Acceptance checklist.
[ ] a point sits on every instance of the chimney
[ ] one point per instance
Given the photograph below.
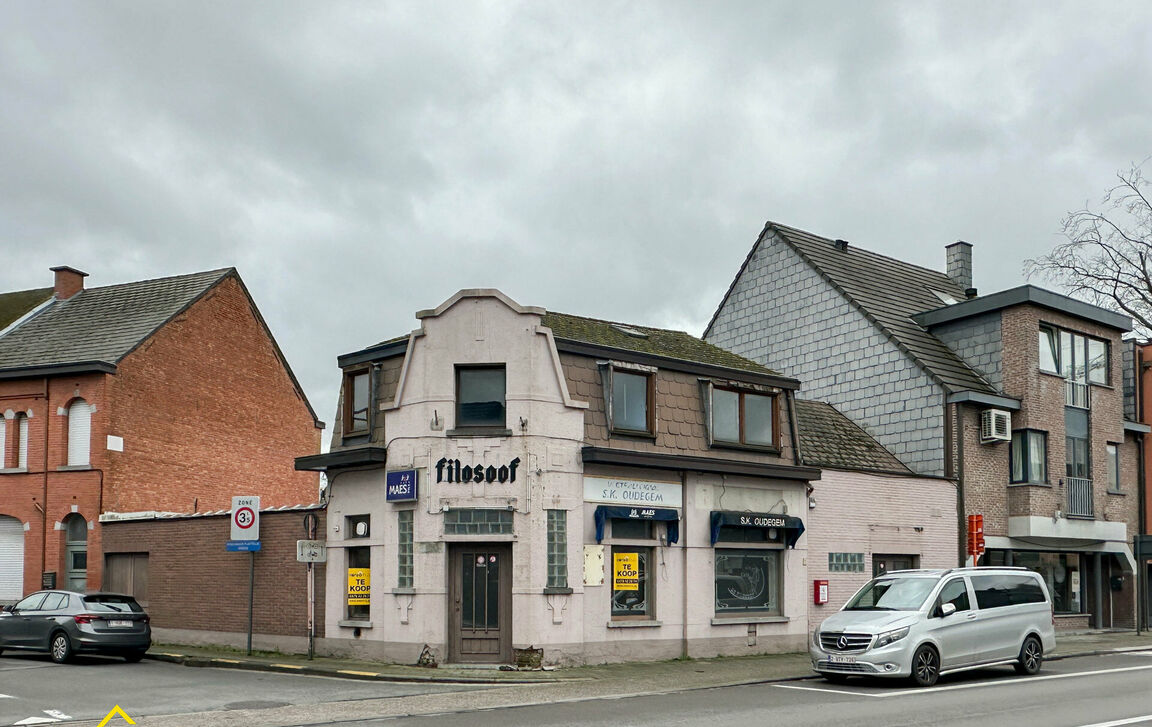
(841, 245)
(69, 281)
(960, 263)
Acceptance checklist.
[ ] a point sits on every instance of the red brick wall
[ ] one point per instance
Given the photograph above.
(193, 583)
(46, 493)
(207, 411)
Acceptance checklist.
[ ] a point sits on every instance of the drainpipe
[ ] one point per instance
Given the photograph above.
(44, 488)
(797, 455)
(953, 411)
(684, 541)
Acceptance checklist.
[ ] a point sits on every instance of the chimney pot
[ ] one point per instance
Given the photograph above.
(69, 281)
(970, 293)
(959, 258)
(841, 245)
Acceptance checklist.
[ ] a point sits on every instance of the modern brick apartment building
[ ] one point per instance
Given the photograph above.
(157, 395)
(1017, 396)
(508, 479)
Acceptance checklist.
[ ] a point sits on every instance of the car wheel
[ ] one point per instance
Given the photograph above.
(925, 666)
(1031, 656)
(134, 656)
(60, 647)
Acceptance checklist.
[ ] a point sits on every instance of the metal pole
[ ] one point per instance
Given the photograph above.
(251, 591)
(311, 608)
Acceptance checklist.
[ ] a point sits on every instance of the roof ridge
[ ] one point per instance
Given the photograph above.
(163, 278)
(624, 323)
(864, 250)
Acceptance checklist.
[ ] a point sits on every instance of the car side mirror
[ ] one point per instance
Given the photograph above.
(947, 609)
(9, 608)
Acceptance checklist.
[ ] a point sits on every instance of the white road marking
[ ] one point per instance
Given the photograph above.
(1119, 722)
(1137, 653)
(36, 720)
(973, 685)
(6, 696)
(56, 713)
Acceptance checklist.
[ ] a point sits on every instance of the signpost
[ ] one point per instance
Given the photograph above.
(246, 539)
(311, 551)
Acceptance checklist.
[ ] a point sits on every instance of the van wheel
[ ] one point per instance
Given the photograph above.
(925, 666)
(1031, 656)
(60, 647)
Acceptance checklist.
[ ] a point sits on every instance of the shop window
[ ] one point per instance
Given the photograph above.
(1079, 358)
(356, 403)
(1060, 571)
(630, 395)
(359, 589)
(480, 396)
(747, 581)
(358, 526)
(631, 586)
(1113, 468)
(557, 549)
(477, 521)
(404, 549)
(1029, 456)
(1077, 460)
(845, 562)
(743, 418)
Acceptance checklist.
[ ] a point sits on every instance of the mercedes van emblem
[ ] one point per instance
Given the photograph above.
(842, 644)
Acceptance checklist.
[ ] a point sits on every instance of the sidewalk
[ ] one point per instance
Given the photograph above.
(676, 675)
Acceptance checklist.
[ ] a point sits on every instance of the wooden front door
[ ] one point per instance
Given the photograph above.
(480, 603)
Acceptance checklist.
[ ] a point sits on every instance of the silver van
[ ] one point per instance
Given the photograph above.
(924, 623)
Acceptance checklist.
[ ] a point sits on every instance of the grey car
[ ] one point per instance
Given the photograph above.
(64, 623)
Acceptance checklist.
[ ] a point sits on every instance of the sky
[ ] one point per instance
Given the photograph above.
(357, 162)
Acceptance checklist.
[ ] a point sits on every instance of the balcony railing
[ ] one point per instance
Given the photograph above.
(1076, 394)
(1079, 497)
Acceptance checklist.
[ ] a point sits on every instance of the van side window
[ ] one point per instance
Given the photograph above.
(956, 593)
(997, 591)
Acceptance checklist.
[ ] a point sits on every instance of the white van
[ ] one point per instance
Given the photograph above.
(924, 623)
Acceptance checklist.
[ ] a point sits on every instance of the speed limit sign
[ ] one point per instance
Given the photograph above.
(246, 518)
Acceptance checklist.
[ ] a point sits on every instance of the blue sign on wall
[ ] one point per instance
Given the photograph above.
(401, 486)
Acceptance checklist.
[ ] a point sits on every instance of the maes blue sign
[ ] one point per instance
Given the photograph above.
(401, 486)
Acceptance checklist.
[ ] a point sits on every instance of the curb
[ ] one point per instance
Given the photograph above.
(245, 665)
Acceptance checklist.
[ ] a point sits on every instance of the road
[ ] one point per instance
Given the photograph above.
(1102, 691)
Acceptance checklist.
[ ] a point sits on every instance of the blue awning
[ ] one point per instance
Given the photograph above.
(604, 513)
(791, 527)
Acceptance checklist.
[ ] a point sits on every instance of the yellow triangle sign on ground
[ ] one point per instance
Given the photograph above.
(116, 711)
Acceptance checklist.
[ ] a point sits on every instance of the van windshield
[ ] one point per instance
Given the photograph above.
(892, 594)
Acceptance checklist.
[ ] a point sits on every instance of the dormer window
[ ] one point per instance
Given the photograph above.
(630, 398)
(356, 403)
(742, 418)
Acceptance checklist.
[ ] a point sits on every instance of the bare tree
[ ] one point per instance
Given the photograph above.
(1107, 255)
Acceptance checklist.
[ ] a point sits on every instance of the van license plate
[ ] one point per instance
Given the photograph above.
(835, 659)
(120, 624)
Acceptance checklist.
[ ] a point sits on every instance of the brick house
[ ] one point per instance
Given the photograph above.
(508, 479)
(1017, 396)
(869, 514)
(157, 395)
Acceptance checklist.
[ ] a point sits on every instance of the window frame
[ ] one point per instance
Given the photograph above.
(349, 414)
(1028, 476)
(1087, 439)
(350, 523)
(1078, 342)
(742, 394)
(405, 548)
(556, 528)
(359, 611)
(647, 582)
(777, 582)
(648, 373)
(1113, 460)
(23, 434)
(460, 426)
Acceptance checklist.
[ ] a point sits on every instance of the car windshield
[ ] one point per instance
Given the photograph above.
(892, 594)
(121, 604)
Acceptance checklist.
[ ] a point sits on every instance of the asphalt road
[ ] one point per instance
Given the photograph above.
(32, 687)
(1104, 691)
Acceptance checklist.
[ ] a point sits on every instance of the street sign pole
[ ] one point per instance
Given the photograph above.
(311, 608)
(251, 593)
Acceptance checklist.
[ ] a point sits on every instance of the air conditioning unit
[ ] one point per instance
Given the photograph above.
(995, 426)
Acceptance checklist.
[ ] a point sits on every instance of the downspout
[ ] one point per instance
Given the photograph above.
(44, 488)
(797, 457)
(684, 540)
(952, 412)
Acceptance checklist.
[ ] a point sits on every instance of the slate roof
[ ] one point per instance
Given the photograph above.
(14, 305)
(830, 439)
(102, 324)
(654, 341)
(889, 292)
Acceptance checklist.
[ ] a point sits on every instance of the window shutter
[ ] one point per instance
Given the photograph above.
(79, 433)
(11, 559)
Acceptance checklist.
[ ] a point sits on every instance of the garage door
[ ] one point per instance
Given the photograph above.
(11, 559)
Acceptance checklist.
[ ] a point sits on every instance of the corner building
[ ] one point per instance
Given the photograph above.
(509, 484)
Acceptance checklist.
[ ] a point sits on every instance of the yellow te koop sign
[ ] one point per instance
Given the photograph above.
(625, 571)
(359, 587)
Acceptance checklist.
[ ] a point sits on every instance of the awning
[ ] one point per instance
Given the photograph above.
(605, 513)
(791, 527)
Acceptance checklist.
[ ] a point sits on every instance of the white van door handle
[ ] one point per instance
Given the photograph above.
(971, 617)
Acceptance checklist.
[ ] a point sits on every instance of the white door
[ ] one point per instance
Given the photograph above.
(11, 559)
